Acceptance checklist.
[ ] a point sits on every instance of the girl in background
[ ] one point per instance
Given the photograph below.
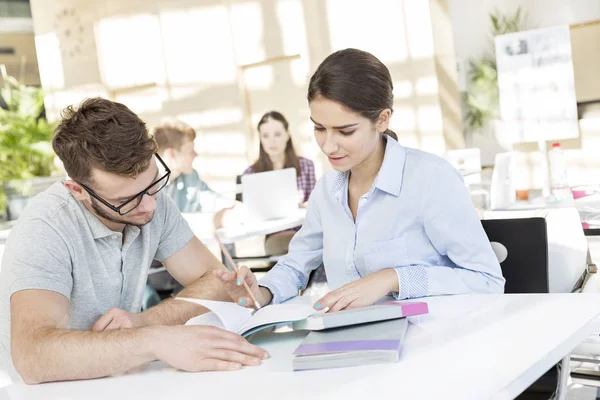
(277, 152)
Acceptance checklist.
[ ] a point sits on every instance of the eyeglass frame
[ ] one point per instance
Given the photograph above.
(142, 193)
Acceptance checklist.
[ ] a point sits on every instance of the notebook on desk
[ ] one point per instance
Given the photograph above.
(373, 343)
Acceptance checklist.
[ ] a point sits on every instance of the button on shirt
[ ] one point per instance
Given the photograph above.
(417, 218)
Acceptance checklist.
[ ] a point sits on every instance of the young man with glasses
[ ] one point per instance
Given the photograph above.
(75, 265)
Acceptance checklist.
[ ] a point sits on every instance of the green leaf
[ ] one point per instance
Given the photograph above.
(25, 137)
(480, 103)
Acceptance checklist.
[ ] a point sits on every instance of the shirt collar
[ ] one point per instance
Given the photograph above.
(98, 229)
(389, 177)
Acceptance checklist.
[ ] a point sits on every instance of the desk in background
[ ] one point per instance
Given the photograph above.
(202, 226)
(470, 347)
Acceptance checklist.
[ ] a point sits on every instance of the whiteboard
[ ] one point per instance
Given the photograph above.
(536, 85)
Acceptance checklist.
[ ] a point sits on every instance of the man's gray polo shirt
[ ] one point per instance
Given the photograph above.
(58, 245)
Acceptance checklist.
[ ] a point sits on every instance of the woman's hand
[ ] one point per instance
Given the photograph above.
(360, 293)
(234, 286)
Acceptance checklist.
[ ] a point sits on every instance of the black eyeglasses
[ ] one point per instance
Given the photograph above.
(130, 204)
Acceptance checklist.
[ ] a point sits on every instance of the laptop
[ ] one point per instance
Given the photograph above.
(271, 195)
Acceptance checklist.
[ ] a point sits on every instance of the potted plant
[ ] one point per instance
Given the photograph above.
(480, 101)
(26, 154)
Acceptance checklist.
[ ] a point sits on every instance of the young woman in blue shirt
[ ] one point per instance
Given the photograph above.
(388, 219)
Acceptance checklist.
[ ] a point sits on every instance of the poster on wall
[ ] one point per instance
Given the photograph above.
(536, 85)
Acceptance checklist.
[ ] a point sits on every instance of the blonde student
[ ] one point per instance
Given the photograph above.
(388, 219)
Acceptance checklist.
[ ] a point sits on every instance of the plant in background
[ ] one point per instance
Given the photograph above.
(25, 138)
(480, 101)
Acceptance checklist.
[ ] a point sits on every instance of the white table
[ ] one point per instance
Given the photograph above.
(202, 226)
(469, 347)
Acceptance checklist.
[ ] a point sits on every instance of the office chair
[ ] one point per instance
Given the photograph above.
(238, 185)
(521, 246)
(525, 248)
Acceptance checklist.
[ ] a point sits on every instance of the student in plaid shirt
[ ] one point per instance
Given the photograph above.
(277, 152)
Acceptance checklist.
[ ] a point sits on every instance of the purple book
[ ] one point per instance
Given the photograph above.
(372, 343)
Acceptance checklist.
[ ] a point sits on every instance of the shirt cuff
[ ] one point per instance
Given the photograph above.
(283, 282)
(412, 282)
(276, 297)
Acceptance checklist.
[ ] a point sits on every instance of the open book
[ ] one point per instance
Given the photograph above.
(241, 320)
(245, 321)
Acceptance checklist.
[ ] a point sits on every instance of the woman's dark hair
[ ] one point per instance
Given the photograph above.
(356, 79)
(264, 162)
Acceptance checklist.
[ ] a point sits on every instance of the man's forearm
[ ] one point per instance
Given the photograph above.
(177, 312)
(52, 354)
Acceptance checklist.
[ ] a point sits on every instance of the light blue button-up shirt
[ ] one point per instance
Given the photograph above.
(417, 218)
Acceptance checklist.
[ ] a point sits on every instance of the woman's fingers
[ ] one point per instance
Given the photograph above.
(241, 275)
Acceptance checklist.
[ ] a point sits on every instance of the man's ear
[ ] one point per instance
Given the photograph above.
(170, 152)
(76, 190)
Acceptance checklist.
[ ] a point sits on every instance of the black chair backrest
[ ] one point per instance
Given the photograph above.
(526, 241)
(238, 182)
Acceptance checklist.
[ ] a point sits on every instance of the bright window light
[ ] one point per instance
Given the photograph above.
(259, 77)
(429, 119)
(50, 61)
(247, 27)
(403, 89)
(376, 26)
(129, 50)
(418, 24)
(210, 60)
(212, 118)
(427, 85)
(403, 119)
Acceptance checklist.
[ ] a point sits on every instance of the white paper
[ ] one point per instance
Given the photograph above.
(238, 319)
(278, 313)
(232, 316)
(208, 319)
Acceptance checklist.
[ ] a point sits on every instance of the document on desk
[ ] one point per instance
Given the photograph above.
(238, 319)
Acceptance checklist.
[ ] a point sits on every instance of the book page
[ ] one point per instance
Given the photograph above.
(207, 319)
(276, 314)
(232, 316)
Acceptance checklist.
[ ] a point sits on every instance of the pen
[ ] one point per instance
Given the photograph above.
(235, 268)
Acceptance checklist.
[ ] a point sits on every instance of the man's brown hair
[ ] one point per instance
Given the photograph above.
(105, 135)
(173, 134)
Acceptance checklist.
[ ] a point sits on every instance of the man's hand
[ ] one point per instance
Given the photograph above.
(116, 318)
(204, 348)
(360, 293)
